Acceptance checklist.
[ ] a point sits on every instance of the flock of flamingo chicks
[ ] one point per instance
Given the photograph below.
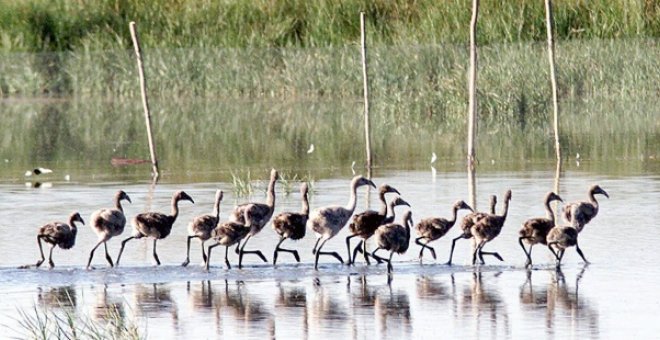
(246, 220)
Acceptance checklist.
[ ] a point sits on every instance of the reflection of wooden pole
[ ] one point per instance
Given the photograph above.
(556, 189)
(472, 106)
(145, 101)
(553, 76)
(363, 39)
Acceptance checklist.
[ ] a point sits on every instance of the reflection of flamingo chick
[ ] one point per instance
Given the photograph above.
(469, 221)
(326, 222)
(431, 229)
(536, 230)
(365, 223)
(155, 225)
(560, 238)
(579, 214)
(261, 215)
(393, 237)
(202, 226)
(229, 233)
(487, 229)
(292, 225)
(108, 223)
(58, 234)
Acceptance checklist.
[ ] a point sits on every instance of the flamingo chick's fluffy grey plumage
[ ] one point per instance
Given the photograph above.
(468, 222)
(393, 237)
(431, 229)
(260, 214)
(291, 225)
(578, 214)
(488, 228)
(560, 238)
(326, 222)
(155, 225)
(535, 230)
(202, 226)
(229, 233)
(58, 234)
(108, 223)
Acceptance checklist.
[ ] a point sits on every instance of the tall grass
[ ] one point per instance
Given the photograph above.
(59, 25)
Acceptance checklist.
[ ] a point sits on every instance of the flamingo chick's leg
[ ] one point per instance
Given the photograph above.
(451, 252)
(527, 253)
(579, 251)
(91, 253)
(348, 247)
(373, 254)
(50, 257)
(208, 257)
(319, 253)
(107, 255)
(187, 261)
(292, 251)
(156, 254)
(121, 250)
(243, 252)
(41, 250)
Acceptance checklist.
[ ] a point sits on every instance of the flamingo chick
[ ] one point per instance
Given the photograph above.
(108, 223)
(326, 222)
(486, 229)
(202, 226)
(580, 213)
(431, 229)
(58, 234)
(560, 238)
(535, 230)
(469, 221)
(393, 237)
(291, 225)
(155, 225)
(261, 214)
(229, 233)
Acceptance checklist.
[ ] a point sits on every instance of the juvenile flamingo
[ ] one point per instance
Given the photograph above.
(58, 234)
(431, 229)
(108, 223)
(580, 213)
(535, 230)
(229, 233)
(486, 229)
(261, 214)
(291, 225)
(393, 237)
(469, 221)
(560, 238)
(326, 222)
(202, 226)
(155, 225)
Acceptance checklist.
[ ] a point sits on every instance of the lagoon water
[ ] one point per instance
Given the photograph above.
(614, 297)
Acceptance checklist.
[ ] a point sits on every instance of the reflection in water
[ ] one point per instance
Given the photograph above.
(57, 297)
(247, 308)
(110, 309)
(155, 301)
(291, 306)
(393, 314)
(559, 304)
(484, 303)
(326, 313)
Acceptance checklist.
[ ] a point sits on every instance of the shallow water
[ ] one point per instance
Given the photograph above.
(615, 296)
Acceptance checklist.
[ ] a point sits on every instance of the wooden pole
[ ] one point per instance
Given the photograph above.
(472, 106)
(145, 101)
(367, 137)
(553, 77)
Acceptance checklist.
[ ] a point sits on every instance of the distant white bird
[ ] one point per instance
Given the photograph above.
(67, 177)
(38, 171)
(311, 148)
(353, 167)
(434, 158)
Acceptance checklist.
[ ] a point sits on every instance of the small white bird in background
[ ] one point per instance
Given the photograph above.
(434, 158)
(577, 159)
(353, 167)
(67, 177)
(311, 148)
(38, 171)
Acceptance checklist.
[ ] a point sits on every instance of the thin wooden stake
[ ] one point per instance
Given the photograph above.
(367, 137)
(553, 77)
(145, 101)
(472, 106)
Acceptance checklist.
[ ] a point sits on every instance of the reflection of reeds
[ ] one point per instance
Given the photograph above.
(45, 323)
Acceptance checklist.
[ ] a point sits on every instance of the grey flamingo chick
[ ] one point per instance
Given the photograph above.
(108, 223)
(393, 237)
(561, 238)
(326, 222)
(58, 234)
(431, 229)
(488, 228)
(291, 225)
(535, 230)
(261, 214)
(579, 214)
(391, 215)
(468, 222)
(155, 225)
(202, 226)
(365, 223)
(229, 233)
